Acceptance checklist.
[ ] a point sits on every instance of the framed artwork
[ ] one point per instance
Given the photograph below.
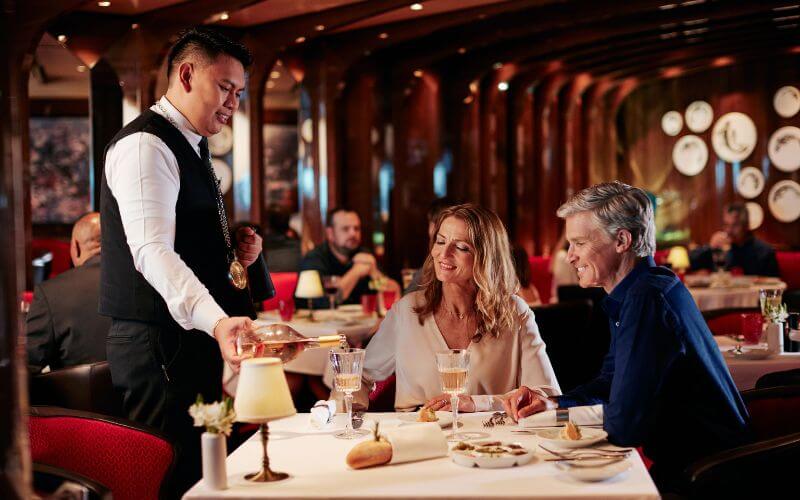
(280, 165)
(60, 157)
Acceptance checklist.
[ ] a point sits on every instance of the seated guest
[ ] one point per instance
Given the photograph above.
(63, 326)
(738, 244)
(343, 256)
(663, 384)
(563, 273)
(434, 210)
(522, 265)
(282, 251)
(467, 300)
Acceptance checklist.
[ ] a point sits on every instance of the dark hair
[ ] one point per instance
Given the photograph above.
(522, 265)
(333, 211)
(438, 206)
(277, 219)
(738, 208)
(209, 43)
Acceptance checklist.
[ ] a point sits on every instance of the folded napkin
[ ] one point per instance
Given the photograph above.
(580, 415)
(416, 442)
(322, 413)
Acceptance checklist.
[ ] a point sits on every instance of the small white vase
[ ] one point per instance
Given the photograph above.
(215, 476)
(775, 337)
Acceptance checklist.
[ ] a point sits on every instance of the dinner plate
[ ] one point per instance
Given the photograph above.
(784, 149)
(472, 458)
(787, 101)
(589, 437)
(734, 137)
(750, 182)
(350, 308)
(690, 155)
(752, 352)
(445, 418)
(699, 116)
(595, 474)
(784, 201)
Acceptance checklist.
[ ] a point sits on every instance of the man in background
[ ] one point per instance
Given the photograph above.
(63, 326)
(282, 251)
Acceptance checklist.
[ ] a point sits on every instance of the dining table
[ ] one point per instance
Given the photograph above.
(746, 372)
(315, 461)
(711, 292)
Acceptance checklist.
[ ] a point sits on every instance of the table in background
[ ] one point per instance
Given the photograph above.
(710, 298)
(745, 372)
(317, 464)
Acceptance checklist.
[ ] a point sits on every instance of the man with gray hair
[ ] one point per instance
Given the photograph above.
(663, 384)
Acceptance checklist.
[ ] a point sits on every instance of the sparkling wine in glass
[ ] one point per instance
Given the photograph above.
(453, 366)
(347, 365)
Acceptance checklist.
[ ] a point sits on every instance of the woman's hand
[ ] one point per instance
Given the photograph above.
(442, 403)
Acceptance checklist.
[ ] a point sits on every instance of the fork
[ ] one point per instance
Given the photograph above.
(583, 454)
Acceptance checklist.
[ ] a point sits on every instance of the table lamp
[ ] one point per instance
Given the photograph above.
(678, 258)
(262, 396)
(309, 286)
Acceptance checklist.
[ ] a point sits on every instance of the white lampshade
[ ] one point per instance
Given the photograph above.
(309, 285)
(262, 394)
(678, 258)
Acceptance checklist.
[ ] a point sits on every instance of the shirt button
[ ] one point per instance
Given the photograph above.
(617, 323)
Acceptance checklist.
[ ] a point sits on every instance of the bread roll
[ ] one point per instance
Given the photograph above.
(370, 453)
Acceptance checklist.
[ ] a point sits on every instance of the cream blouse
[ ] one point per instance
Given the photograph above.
(497, 364)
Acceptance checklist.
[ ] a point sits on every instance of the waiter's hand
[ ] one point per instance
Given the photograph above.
(225, 333)
(248, 245)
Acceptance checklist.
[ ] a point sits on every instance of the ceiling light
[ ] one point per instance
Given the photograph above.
(418, 73)
(786, 18)
(667, 6)
(416, 6)
(722, 61)
(224, 16)
(104, 4)
(667, 36)
(785, 7)
(300, 39)
(502, 86)
(62, 38)
(320, 27)
(135, 26)
(497, 65)
(383, 36)
(468, 99)
(81, 68)
(462, 50)
(275, 74)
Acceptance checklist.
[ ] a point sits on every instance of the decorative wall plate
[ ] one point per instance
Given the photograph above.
(224, 174)
(221, 143)
(784, 201)
(787, 101)
(750, 182)
(784, 149)
(755, 214)
(307, 130)
(672, 123)
(699, 116)
(734, 137)
(690, 155)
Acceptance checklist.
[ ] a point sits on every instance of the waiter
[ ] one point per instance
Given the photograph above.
(176, 283)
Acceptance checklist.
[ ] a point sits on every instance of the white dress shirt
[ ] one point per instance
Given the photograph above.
(144, 177)
(497, 364)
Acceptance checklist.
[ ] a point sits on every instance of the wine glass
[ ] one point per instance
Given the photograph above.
(453, 366)
(347, 365)
(719, 256)
(331, 285)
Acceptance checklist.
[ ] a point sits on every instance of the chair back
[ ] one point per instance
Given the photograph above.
(541, 277)
(789, 266)
(285, 284)
(132, 460)
(60, 249)
(776, 379)
(774, 411)
(53, 482)
(730, 321)
(382, 396)
(85, 387)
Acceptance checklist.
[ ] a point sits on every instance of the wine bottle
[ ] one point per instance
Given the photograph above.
(283, 342)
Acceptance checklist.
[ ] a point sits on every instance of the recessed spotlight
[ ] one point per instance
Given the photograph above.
(502, 86)
(468, 99)
(416, 6)
(135, 26)
(275, 74)
(497, 65)
(300, 39)
(104, 4)
(462, 50)
(320, 27)
(81, 68)
(383, 36)
(224, 16)
(62, 38)
(418, 73)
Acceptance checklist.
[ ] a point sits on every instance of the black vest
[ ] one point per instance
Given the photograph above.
(124, 292)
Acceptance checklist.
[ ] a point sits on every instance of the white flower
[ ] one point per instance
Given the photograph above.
(215, 417)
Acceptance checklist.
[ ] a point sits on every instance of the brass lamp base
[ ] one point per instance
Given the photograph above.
(265, 475)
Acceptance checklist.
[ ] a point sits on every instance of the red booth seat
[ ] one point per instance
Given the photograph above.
(285, 284)
(789, 265)
(541, 276)
(60, 250)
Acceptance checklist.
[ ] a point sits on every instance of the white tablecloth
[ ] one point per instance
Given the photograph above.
(746, 372)
(708, 299)
(316, 463)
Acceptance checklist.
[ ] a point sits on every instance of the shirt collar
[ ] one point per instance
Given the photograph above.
(613, 303)
(181, 121)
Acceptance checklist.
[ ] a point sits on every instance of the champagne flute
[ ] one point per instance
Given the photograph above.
(347, 365)
(453, 366)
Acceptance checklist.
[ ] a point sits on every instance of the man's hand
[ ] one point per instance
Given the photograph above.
(226, 332)
(523, 402)
(366, 259)
(442, 402)
(248, 246)
(720, 239)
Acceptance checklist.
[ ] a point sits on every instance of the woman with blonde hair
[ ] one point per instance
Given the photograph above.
(467, 300)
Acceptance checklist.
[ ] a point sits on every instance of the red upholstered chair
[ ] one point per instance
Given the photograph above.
(60, 250)
(132, 460)
(382, 397)
(729, 321)
(285, 284)
(789, 265)
(661, 256)
(541, 276)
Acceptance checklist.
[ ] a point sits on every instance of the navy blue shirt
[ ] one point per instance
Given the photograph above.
(322, 259)
(663, 384)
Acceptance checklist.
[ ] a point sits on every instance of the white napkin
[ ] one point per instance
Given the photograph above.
(322, 413)
(416, 442)
(580, 415)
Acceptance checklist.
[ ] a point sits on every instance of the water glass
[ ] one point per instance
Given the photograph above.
(347, 366)
(286, 309)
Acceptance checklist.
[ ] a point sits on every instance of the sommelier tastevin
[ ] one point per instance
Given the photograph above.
(178, 285)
